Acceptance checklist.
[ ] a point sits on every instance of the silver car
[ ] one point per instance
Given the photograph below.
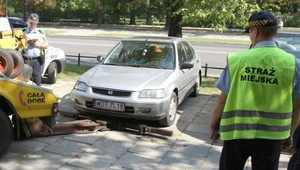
(142, 78)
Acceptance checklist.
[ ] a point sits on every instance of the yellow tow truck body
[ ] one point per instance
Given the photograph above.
(22, 104)
(28, 100)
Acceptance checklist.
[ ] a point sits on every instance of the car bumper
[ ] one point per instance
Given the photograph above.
(135, 107)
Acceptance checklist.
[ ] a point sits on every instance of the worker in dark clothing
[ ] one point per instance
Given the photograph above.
(294, 163)
(259, 104)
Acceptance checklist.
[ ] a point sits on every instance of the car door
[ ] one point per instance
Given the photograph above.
(184, 73)
(191, 57)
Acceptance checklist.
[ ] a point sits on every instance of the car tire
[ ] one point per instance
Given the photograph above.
(6, 62)
(171, 113)
(52, 73)
(196, 90)
(18, 63)
(6, 134)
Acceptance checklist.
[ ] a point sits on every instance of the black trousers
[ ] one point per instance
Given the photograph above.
(264, 154)
(294, 163)
(37, 70)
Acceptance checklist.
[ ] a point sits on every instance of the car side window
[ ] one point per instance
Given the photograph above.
(181, 54)
(189, 52)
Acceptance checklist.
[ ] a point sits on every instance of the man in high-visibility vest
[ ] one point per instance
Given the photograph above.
(259, 105)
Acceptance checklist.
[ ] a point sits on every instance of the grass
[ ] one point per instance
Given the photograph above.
(73, 72)
(191, 39)
(208, 86)
(53, 32)
(117, 35)
(291, 29)
(217, 40)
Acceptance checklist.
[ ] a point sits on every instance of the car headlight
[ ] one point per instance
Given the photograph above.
(80, 86)
(159, 93)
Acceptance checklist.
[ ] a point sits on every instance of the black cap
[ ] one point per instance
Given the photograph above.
(261, 19)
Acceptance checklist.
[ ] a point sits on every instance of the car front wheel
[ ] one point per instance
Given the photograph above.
(196, 90)
(52, 73)
(171, 113)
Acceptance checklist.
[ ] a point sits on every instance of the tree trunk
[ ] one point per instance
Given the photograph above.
(132, 17)
(167, 23)
(100, 14)
(167, 5)
(100, 17)
(175, 28)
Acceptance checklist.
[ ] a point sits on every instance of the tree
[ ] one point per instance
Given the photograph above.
(175, 27)
(218, 14)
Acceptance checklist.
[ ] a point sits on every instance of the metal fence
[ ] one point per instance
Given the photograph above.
(206, 67)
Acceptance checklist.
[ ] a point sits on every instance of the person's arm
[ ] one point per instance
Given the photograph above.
(217, 113)
(222, 84)
(296, 115)
(287, 143)
(43, 43)
(296, 99)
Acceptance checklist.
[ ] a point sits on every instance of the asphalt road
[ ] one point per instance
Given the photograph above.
(214, 54)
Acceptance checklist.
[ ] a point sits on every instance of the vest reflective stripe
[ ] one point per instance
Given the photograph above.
(247, 113)
(255, 120)
(263, 127)
(240, 134)
(259, 102)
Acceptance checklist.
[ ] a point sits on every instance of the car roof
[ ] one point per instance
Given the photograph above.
(154, 39)
(16, 18)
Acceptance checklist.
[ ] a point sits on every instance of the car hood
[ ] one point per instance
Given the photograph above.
(125, 78)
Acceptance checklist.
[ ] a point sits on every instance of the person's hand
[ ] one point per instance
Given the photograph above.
(287, 143)
(31, 42)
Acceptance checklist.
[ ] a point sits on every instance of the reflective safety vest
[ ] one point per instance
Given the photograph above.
(259, 104)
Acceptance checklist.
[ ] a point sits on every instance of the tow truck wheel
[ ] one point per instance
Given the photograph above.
(18, 63)
(52, 73)
(6, 134)
(6, 62)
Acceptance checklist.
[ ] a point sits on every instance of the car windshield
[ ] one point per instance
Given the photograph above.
(142, 54)
(289, 43)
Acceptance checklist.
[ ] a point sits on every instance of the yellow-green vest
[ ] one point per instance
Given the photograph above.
(259, 103)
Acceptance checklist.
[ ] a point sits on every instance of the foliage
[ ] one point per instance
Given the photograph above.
(218, 14)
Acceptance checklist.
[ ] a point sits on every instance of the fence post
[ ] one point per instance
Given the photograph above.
(78, 59)
(205, 71)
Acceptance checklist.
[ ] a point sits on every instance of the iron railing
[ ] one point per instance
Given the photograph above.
(206, 67)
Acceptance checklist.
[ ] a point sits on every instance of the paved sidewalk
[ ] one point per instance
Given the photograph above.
(189, 148)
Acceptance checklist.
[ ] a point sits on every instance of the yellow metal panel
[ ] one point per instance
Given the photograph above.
(28, 100)
(8, 43)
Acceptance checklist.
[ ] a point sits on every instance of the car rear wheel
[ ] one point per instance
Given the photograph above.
(195, 93)
(6, 134)
(171, 113)
(52, 73)
(6, 62)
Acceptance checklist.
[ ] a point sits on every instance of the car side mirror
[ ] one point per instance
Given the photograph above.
(187, 65)
(100, 58)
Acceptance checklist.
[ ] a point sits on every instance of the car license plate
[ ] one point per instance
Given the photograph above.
(101, 104)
